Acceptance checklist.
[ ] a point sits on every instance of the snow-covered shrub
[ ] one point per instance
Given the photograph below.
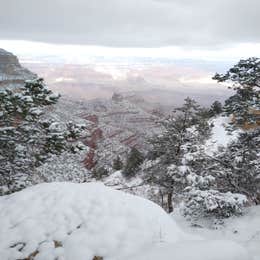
(215, 108)
(212, 203)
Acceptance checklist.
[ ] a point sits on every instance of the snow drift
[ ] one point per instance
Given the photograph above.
(79, 221)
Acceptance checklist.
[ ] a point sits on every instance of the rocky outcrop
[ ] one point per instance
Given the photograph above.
(89, 161)
(12, 74)
(96, 134)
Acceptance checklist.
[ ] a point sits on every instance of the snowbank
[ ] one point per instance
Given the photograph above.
(79, 221)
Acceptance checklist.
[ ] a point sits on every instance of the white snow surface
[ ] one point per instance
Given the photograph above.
(79, 221)
(243, 230)
(195, 250)
(87, 219)
(220, 136)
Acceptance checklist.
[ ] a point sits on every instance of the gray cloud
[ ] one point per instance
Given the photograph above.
(135, 23)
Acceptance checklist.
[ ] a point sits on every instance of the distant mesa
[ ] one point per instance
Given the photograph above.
(12, 74)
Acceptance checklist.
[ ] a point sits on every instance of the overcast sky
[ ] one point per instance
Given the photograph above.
(204, 24)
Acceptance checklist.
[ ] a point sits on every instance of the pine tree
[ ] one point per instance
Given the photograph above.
(26, 140)
(245, 74)
(221, 185)
(245, 80)
(117, 164)
(181, 135)
(133, 161)
(176, 131)
(239, 106)
(38, 93)
(215, 108)
(204, 194)
(240, 165)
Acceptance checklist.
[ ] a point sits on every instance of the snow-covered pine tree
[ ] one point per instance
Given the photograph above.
(184, 171)
(182, 132)
(233, 179)
(240, 166)
(133, 161)
(215, 108)
(240, 105)
(26, 140)
(245, 74)
(245, 80)
(39, 94)
(203, 196)
(234, 170)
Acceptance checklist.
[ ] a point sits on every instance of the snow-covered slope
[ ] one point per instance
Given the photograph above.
(220, 136)
(195, 250)
(244, 230)
(79, 221)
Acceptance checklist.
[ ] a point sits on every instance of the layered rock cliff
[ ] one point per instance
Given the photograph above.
(12, 74)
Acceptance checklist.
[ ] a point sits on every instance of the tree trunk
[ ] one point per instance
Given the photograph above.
(161, 199)
(169, 202)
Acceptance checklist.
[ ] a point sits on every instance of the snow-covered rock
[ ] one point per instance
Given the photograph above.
(79, 221)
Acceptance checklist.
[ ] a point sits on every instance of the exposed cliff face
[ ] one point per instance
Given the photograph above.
(117, 125)
(12, 74)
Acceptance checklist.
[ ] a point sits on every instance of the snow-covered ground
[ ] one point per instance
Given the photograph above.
(195, 250)
(220, 136)
(244, 230)
(79, 221)
(135, 186)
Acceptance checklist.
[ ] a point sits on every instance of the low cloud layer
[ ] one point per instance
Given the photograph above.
(132, 23)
